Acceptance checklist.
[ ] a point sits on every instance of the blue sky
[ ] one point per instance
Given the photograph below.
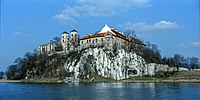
(173, 25)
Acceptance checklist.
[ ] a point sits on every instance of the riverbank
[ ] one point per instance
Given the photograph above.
(5, 80)
(122, 81)
(36, 80)
(179, 77)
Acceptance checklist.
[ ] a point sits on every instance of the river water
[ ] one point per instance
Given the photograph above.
(100, 91)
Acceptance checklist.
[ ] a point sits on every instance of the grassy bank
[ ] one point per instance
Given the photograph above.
(192, 76)
(5, 80)
(36, 80)
(179, 77)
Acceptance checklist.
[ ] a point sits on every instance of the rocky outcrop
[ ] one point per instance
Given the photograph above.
(117, 65)
(154, 68)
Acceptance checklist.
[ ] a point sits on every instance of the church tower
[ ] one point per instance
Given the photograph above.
(74, 35)
(65, 41)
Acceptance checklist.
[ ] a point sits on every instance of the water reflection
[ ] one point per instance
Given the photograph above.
(100, 91)
(123, 90)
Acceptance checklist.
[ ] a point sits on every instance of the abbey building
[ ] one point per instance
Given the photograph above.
(107, 37)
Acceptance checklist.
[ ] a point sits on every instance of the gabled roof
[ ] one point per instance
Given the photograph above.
(115, 33)
(74, 30)
(65, 32)
(106, 28)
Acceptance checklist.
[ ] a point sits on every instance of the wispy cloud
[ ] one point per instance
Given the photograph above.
(17, 33)
(165, 25)
(188, 45)
(67, 15)
(181, 45)
(142, 26)
(21, 34)
(97, 8)
(195, 44)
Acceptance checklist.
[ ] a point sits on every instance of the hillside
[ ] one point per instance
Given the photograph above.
(189, 75)
(91, 64)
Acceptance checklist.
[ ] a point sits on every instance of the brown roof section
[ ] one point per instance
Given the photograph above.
(93, 36)
(134, 40)
(119, 34)
(137, 41)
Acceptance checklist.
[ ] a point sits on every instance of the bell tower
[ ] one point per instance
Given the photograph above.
(74, 35)
(65, 40)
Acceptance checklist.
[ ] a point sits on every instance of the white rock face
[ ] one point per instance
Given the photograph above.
(119, 65)
(153, 68)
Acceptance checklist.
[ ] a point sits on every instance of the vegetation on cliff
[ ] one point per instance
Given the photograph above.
(151, 54)
(33, 66)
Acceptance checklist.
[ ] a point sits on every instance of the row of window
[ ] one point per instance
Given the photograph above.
(92, 41)
(68, 39)
(71, 36)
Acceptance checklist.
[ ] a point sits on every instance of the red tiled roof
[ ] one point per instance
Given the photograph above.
(117, 34)
(137, 41)
(134, 40)
(93, 36)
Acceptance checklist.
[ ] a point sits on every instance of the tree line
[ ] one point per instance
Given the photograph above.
(152, 54)
(19, 69)
(32, 64)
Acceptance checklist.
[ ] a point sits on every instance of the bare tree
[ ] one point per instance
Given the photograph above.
(129, 33)
(194, 62)
(56, 40)
(177, 59)
(1, 74)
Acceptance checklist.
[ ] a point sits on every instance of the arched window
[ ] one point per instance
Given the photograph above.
(75, 35)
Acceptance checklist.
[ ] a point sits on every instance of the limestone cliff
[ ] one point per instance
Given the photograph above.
(92, 62)
(117, 64)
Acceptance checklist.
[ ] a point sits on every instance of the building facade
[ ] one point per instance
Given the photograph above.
(48, 48)
(106, 37)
